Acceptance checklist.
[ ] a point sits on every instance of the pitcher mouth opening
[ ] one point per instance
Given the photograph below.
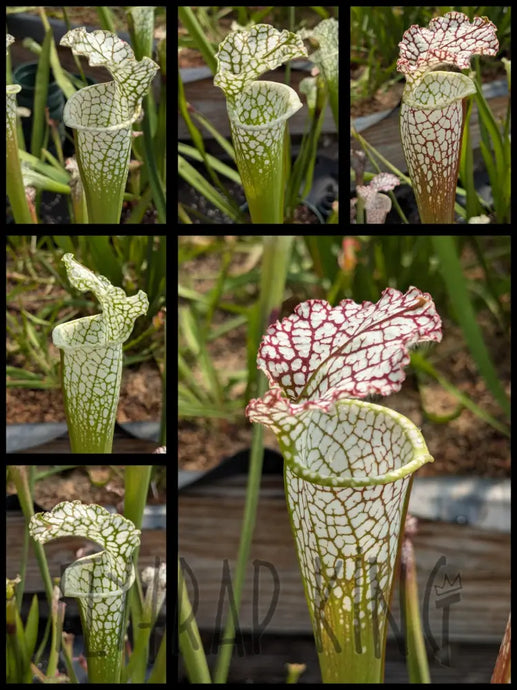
(285, 108)
(121, 585)
(398, 451)
(103, 99)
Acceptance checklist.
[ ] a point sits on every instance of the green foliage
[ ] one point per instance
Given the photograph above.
(146, 179)
(131, 262)
(217, 314)
(23, 660)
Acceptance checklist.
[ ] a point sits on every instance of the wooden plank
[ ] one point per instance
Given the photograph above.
(264, 661)
(210, 517)
(385, 136)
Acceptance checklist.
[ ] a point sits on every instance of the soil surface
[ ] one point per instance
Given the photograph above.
(465, 445)
(100, 484)
(140, 399)
(196, 203)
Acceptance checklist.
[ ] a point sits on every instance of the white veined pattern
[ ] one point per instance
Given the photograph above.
(99, 582)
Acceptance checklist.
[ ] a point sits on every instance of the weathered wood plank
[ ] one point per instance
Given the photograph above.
(385, 136)
(264, 661)
(210, 517)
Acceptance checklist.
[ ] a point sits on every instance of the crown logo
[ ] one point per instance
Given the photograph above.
(448, 586)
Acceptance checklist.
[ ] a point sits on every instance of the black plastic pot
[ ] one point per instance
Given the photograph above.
(25, 76)
(36, 437)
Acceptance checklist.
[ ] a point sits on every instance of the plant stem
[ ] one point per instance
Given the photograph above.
(190, 644)
(275, 263)
(418, 668)
(14, 178)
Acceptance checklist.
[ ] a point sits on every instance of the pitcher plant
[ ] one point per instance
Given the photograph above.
(102, 117)
(91, 359)
(258, 112)
(99, 582)
(326, 58)
(433, 105)
(348, 462)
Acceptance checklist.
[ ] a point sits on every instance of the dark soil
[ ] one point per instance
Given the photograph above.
(200, 209)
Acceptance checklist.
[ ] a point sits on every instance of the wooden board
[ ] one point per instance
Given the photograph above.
(210, 517)
(385, 136)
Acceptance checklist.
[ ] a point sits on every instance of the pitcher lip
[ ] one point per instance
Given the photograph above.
(294, 105)
(71, 121)
(420, 455)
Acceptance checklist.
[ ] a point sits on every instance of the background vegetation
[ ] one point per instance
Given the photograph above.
(468, 277)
